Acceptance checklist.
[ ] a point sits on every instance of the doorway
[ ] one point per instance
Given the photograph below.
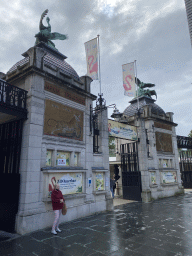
(10, 148)
(131, 176)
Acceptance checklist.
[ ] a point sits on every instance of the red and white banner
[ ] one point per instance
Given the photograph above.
(91, 50)
(129, 79)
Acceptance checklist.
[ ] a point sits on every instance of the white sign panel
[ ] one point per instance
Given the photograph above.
(169, 177)
(70, 183)
(122, 131)
(61, 161)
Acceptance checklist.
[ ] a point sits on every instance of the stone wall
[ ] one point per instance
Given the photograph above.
(35, 209)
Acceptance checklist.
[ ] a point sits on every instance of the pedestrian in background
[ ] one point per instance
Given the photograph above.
(112, 186)
(57, 204)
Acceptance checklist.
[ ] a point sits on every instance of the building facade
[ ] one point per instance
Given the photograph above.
(188, 5)
(148, 168)
(58, 141)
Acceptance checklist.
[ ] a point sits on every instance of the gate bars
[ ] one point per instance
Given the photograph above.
(129, 157)
(131, 176)
(10, 146)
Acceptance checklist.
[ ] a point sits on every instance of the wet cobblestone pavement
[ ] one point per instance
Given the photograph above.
(163, 227)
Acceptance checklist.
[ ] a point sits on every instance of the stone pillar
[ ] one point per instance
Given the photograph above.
(30, 204)
(88, 153)
(143, 160)
(104, 147)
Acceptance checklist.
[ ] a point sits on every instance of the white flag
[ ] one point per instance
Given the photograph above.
(129, 79)
(92, 58)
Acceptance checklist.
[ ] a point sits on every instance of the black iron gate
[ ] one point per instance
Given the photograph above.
(185, 163)
(10, 147)
(131, 176)
(185, 160)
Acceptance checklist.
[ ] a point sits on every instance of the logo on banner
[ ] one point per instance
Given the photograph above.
(129, 79)
(92, 58)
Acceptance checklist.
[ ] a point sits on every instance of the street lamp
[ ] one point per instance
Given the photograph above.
(94, 127)
(101, 106)
(116, 114)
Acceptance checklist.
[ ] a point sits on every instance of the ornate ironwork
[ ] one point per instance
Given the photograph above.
(131, 176)
(185, 163)
(95, 134)
(94, 122)
(12, 96)
(129, 157)
(184, 142)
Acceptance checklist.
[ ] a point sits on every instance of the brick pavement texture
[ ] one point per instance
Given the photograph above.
(163, 227)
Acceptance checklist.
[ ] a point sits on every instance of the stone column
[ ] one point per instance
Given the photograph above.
(104, 147)
(143, 160)
(88, 153)
(30, 204)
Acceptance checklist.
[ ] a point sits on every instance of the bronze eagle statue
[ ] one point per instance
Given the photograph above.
(45, 34)
(142, 92)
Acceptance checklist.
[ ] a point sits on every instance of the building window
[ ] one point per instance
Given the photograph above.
(49, 157)
(63, 158)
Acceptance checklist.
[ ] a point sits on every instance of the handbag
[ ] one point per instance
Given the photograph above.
(64, 209)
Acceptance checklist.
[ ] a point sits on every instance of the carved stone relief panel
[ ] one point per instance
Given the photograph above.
(164, 142)
(63, 121)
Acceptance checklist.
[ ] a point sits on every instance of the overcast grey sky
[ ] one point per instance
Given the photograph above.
(153, 32)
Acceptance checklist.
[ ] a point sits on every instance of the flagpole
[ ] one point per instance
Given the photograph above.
(99, 63)
(137, 86)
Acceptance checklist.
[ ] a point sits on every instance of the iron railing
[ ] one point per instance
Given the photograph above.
(94, 127)
(12, 96)
(184, 142)
(95, 135)
(185, 161)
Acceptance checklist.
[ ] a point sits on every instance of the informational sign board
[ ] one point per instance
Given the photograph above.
(169, 177)
(153, 178)
(122, 131)
(62, 158)
(70, 183)
(99, 181)
(61, 161)
(89, 182)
